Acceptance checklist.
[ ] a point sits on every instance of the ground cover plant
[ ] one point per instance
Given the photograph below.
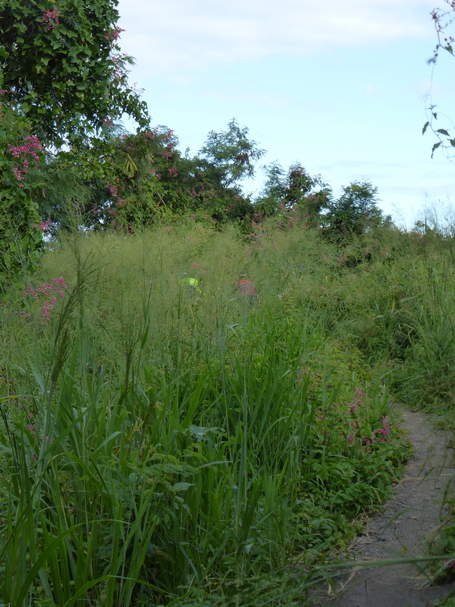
(162, 446)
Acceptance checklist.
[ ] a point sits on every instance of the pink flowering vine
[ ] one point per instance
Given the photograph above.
(24, 153)
(113, 191)
(50, 19)
(114, 34)
(43, 227)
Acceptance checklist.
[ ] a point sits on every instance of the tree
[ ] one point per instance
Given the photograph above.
(442, 21)
(140, 181)
(213, 176)
(63, 81)
(230, 155)
(62, 68)
(295, 190)
(354, 213)
(128, 181)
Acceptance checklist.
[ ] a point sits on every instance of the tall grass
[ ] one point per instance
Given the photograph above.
(162, 448)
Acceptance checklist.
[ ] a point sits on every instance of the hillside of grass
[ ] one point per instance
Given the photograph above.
(163, 445)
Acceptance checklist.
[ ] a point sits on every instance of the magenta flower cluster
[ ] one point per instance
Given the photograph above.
(113, 191)
(31, 148)
(47, 290)
(43, 226)
(114, 34)
(353, 426)
(50, 19)
(381, 435)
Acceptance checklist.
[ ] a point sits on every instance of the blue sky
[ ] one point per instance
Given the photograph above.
(336, 86)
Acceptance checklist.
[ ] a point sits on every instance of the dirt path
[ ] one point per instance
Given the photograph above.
(408, 521)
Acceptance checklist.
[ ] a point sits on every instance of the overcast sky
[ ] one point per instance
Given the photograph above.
(337, 86)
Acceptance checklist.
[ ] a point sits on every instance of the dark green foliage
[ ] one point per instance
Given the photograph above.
(295, 189)
(63, 80)
(354, 213)
(214, 175)
(63, 69)
(230, 155)
(20, 230)
(131, 181)
(124, 181)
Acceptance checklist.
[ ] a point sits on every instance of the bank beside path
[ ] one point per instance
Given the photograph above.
(408, 523)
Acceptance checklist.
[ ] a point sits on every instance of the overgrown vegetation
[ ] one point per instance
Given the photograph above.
(166, 447)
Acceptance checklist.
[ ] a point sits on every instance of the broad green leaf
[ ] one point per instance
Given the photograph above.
(181, 487)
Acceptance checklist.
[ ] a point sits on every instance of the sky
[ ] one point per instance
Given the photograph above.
(340, 87)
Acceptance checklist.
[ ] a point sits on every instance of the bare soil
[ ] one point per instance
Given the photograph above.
(405, 528)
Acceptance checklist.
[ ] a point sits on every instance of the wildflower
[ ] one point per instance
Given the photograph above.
(46, 289)
(50, 19)
(43, 227)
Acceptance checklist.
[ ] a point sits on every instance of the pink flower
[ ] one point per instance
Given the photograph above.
(46, 289)
(43, 227)
(115, 34)
(50, 19)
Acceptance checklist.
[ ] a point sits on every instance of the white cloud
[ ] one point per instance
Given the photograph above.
(179, 35)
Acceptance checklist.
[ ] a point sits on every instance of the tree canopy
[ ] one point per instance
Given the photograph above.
(62, 67)
(64, 86)
(129, 181)
(63, 80)
(295, 188)
(353, 213)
